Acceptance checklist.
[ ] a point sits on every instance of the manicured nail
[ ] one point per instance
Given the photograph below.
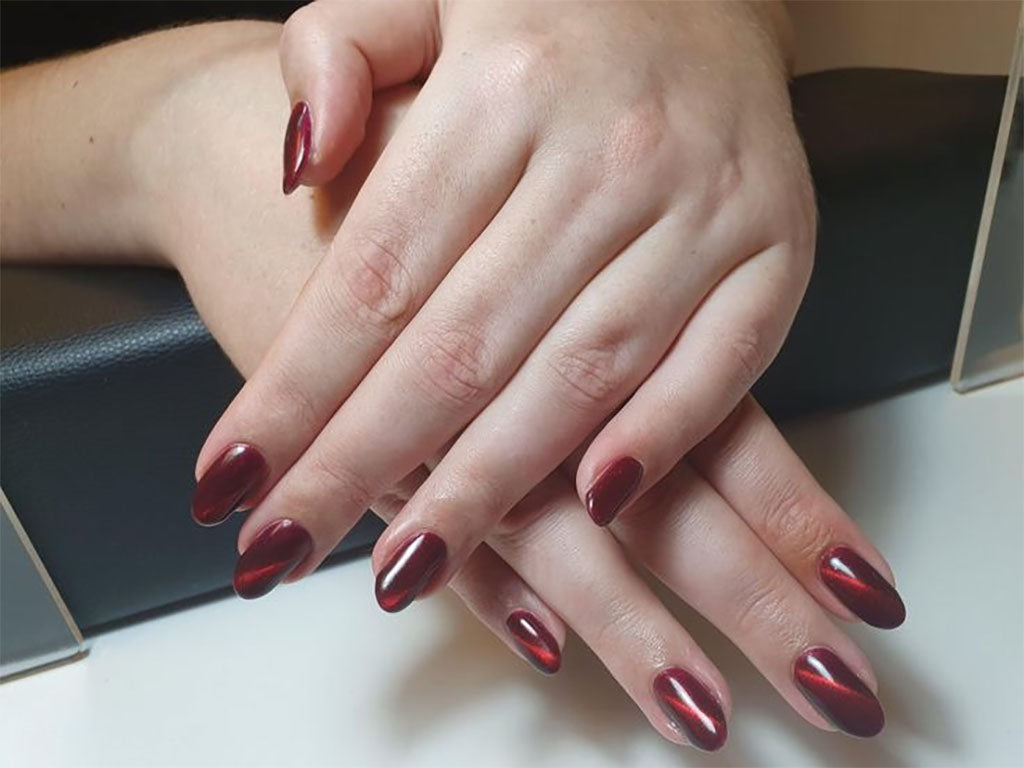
(861, 588)
(612, 489)
(237, 472)
(409, 571)
(838, 694)
(276, 551)
(296, 146)
(539, 647)
(691, 707)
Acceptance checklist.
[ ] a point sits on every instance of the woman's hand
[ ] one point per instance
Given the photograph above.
(741, 531)
(588, 209)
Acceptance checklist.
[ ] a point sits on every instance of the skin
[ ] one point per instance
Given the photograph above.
(594, 220)
(178, 168)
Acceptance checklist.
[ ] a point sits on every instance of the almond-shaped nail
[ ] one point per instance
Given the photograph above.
(612, 489)
(277, 550)
(297, 146)
(238, 472)
(861, 588)
(837, 693)
(691, 708)
(536, 643)
(409, 571)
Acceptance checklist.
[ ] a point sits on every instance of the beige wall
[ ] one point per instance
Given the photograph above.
(973, 36)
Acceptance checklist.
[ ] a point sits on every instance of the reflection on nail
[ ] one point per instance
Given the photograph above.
(612, 489)
(837, 693)
(538, 645)
(691, 707)
(236, 473)
(861, 588)
(297, 139)
(409, 571)
(277, 550)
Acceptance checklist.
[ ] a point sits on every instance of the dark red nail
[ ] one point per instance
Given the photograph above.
(613, 488)
(409, 571)
(276, 551)
(861, 588)
(296, 146)
(838, 694)
(534, 640)
(691, 707)
(237, 472)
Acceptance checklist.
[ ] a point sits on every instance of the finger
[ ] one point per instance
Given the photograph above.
(496, 595)
(597, 352)
(582, 573)
(749, 462)
(700, 548)
(456, 354)
(334, 55)
(721, 352)
(394, 247)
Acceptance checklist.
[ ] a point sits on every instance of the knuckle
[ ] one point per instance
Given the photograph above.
(592, 373)
(746, 349)
(289, 402)
(523, 66)
(457, 365)
(793, 523)
(762, 609)
(636, 141)
(622, 620)
(376, 279)
(330, 479)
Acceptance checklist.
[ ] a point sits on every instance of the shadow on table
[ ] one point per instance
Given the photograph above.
(586, 700)
(468, 666)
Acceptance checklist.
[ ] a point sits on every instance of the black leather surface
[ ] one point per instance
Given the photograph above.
(110, 382)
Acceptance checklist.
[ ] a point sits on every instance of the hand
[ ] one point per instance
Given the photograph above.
(586, 210)
(740, 531)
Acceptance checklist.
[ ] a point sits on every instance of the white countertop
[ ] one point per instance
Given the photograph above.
(315, 674)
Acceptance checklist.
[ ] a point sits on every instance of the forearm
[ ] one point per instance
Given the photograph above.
(85, 137)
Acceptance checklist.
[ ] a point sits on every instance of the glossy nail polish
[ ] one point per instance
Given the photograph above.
(861, 588)
(691, 707)
(297, 140)
(277, 550)
(409, 571)
(536, 643)
(237, 472)
(838, 694)
(612, 489)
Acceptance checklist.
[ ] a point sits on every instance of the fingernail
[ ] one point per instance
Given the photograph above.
(538, 646)
(691, 708)
(275, 552)
(613, 488)
(838, 694)
(861, 588)
(296, 146)
(409, 571)
(237, 472)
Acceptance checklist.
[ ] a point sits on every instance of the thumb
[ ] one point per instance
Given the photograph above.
(334, 55)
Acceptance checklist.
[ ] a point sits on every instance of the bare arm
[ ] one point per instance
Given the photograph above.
(165, 150)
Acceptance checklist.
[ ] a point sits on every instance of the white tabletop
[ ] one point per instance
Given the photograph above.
(315, 674)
